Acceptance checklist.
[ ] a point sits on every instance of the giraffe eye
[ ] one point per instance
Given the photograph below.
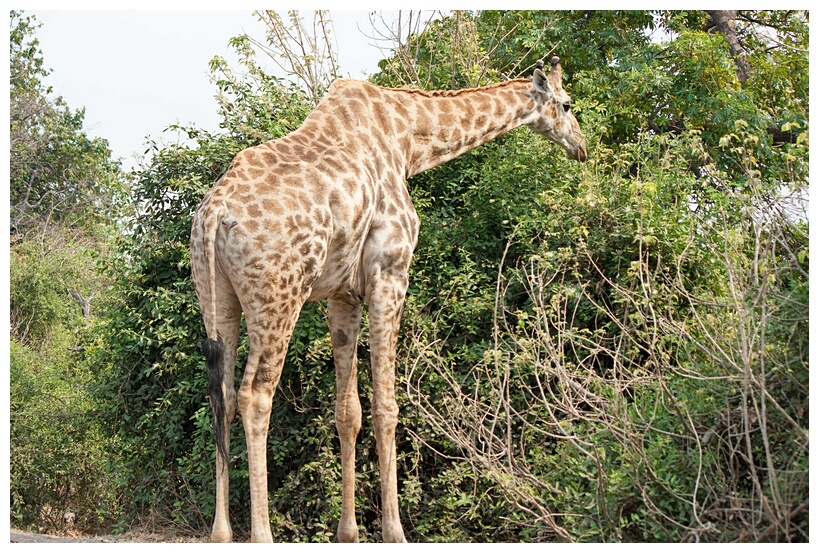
(567, 107)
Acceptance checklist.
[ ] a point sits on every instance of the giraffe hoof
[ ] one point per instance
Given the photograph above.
(347, 533)
(221, 537)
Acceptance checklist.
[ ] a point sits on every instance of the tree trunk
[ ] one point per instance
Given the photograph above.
(725, 21)
(84, 303)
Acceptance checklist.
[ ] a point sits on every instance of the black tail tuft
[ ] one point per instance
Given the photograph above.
(214, 351)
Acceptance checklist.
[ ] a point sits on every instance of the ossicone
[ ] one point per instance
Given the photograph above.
(556, 73)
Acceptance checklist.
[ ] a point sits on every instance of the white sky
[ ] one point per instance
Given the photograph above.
(144, 65)
(136, 72)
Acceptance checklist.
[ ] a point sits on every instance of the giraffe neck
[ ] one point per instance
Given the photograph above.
(446, 124)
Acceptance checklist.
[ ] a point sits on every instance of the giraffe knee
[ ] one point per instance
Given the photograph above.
(348, 415)
(385, 416)
(265, 380)
(255, 399)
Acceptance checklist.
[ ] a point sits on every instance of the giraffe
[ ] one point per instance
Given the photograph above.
(324, 213)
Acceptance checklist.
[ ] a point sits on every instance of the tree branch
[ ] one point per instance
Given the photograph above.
(725, 21)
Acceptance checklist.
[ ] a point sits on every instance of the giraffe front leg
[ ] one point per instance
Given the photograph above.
(345, 323)
(386, 301)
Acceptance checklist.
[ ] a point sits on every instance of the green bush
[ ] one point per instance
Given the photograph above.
(60, 460)
(613, 351)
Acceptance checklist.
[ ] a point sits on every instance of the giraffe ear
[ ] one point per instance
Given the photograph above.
(541, 82)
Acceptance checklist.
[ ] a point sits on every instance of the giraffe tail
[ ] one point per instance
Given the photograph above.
(213, 348)
(214, 351)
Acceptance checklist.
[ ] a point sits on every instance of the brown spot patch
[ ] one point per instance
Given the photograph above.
(446, 119)
(340, 238)
(350, 184)
(251, 157)
(333, 166)
(340, 339)
(271, 206)
(288, 168)
(309, 155)
(309, 265)
(500, 109)
(299, 238)
(252, 225)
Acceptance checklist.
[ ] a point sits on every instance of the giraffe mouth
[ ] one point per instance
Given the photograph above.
(579, 153)
(576, 149)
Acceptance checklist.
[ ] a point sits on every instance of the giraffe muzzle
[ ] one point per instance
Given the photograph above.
(579, 154)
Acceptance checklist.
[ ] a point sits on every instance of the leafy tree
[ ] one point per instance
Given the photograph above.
(63, 187)
(57, 173)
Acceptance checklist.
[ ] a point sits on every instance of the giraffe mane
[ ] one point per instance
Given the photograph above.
(454, 93)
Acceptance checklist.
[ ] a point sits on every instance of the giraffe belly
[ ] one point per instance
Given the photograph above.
(340, 277)
(338, 281)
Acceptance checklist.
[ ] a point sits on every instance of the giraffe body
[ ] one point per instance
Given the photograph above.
(324, 213)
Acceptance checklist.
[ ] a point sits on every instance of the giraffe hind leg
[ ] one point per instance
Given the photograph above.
(269, 329)
(221, 361)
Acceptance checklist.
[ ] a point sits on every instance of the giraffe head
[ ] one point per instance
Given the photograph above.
(553, 117)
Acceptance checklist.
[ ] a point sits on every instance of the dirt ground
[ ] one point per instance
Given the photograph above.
(19, 536)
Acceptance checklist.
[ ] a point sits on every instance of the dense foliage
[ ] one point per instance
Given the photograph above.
(599, 339)
(608, 351)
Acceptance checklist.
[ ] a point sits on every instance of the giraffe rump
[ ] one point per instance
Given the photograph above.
(214, 351)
